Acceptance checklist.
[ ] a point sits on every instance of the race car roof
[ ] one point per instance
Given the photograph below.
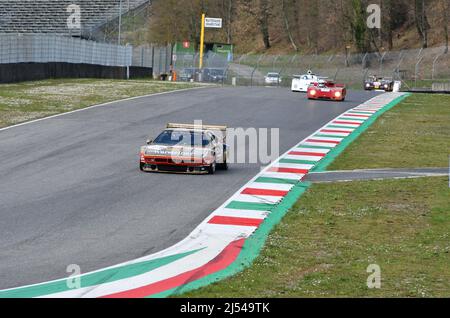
(196, 127)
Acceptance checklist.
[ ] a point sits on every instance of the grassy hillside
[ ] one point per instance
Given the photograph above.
(315, 26)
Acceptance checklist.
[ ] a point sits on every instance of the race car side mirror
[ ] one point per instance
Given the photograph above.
(149, 141)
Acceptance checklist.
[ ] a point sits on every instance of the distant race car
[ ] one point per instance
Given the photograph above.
(300, 83)
(325, 89)
(186, 149)
(379, 83)
(272, 78)
(214, 75)
(188, 74)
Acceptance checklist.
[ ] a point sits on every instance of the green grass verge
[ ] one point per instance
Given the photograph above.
(323, 246)
(326, 242)
(422, 83)
(414, 134)
(26, 101)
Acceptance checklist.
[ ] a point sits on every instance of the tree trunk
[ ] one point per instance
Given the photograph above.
(390, 24)
(286, 24)
(312, 18)
(230, 22)
(380, 30)
(264, 22)
(359, 27)
(296, 14)
(446, 8)
(421, 21)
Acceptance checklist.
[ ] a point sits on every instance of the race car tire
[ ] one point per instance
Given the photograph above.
(141, 166)
(223, 166)
(212, 168)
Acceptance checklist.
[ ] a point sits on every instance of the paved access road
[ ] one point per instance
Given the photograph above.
(71, 191)
(375, 174)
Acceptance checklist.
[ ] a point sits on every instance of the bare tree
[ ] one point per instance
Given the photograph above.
(390, 24)
(260, 9)
(421, 20)
(312, 20)
(286, 24)
(296, 13)
(263, 20)
(445, 16)
(230, 10)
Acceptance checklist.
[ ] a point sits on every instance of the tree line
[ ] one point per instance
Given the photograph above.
(303, 25)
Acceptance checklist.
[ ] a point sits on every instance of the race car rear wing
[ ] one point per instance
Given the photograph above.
(197, 127)
(220, 132)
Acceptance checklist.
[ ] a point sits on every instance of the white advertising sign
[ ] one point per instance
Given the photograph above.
(214, 23)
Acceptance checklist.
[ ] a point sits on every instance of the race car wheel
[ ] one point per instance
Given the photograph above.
(141, 166)
(212, 168)
(223, 166)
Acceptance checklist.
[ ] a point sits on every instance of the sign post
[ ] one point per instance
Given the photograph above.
(202, 41)
(211, 23)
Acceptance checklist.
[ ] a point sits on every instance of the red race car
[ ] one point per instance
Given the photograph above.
(327, 90)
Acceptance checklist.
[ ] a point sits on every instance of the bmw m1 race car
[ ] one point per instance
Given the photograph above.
(184, 148)
(379, 83)
(325, 89)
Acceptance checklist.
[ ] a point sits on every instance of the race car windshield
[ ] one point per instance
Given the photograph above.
(217, 72)
(182, 138)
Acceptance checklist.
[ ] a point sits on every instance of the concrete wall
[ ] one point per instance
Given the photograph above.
(18, 72)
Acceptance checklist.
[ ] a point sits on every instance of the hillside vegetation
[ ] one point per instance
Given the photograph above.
(308, 26)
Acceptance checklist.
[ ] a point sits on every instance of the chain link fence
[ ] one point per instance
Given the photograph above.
(418, 68)
(215, 67)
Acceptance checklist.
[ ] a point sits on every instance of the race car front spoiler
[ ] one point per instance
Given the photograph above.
(175, 169)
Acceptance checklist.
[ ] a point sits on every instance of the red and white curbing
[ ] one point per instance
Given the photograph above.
(220, 237)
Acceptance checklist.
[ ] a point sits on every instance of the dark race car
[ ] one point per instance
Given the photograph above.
(214, 75)
(188, 74)
(379, 83)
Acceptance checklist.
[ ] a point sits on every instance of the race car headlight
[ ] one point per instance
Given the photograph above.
(313, 92)
(338, 94)
(367, 85)
(206, 154)
(386, 85)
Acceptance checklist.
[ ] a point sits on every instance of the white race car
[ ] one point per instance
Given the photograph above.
(300, 83)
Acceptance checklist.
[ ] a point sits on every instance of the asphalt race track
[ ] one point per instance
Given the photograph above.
(71, 191)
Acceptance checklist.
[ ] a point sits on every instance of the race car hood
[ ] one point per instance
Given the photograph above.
(174, 151)
(329, 89)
